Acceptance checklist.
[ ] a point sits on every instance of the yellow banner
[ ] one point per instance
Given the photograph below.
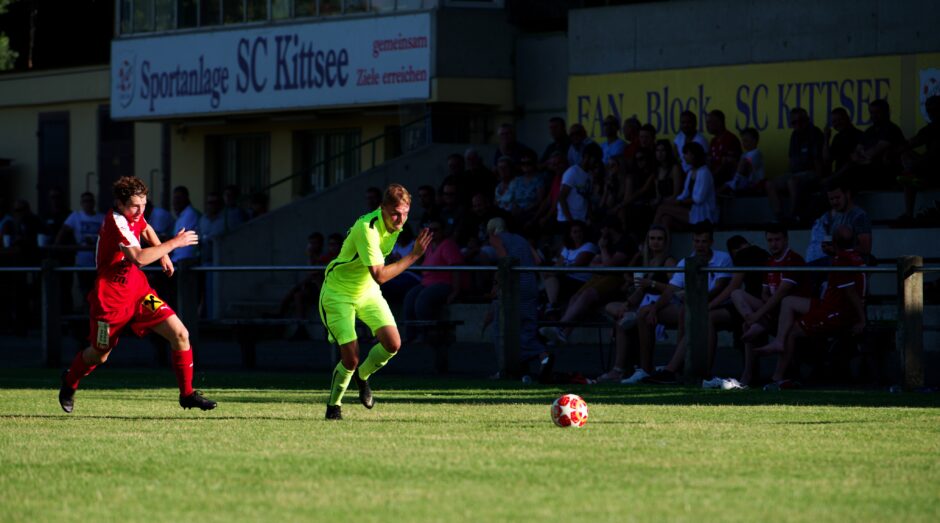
(760, 96)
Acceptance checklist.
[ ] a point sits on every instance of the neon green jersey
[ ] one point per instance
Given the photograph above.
(367, 244)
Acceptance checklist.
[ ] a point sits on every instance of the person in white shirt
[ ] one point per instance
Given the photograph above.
(688, 133)
(212, 223)
(160, 220)
(579, 139)
(667, 308)
(573, 200)
(186, 218)
(577, 252)
(750, 173)
(697, 202)
(81, 229)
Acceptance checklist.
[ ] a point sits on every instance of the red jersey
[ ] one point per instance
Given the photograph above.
(119, 280)
(838, 282)
(772, 280)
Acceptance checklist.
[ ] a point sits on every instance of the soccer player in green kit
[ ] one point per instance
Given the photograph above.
(351, 290)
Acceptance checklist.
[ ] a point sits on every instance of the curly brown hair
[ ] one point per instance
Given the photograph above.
(127, 186)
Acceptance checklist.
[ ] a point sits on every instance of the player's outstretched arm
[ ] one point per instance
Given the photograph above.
(146, 256)
(384, 273)
(153, 239)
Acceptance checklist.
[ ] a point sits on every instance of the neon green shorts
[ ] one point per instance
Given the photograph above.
(339, 313)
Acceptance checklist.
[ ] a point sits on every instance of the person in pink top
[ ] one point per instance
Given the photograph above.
(438, 288)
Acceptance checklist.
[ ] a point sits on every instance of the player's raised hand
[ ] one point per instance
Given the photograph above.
(186, 238)
(421, 242)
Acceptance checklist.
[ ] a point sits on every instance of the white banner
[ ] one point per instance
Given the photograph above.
(343, 62)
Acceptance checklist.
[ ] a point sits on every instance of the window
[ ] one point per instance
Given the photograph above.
(305, 7)
(164, 12)
(242, 160)
(210, 12)
(187, 13)
(280, 9)
(233, 11)
(325, 157)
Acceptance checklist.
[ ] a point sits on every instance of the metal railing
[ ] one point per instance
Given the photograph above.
(909, 271)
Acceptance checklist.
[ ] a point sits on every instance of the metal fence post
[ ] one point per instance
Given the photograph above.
(507, 340)
(51, 324)
(696, 319)
(910, 331)
(187, 299)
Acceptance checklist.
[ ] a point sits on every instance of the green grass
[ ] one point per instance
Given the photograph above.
(446, 450)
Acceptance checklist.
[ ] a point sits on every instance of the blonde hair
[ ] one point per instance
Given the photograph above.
(395, 194)
(660, 259)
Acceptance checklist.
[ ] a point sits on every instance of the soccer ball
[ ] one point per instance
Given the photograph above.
(569, 411)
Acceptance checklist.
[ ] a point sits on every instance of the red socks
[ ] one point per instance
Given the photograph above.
(183, 367)
(78, 370)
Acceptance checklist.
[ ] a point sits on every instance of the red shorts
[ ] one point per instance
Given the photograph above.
(821, 320)
(141, 313)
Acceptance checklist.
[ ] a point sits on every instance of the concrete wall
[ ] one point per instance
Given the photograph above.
(473, 43)
(279, 238)
(541, 85)
(695, 33)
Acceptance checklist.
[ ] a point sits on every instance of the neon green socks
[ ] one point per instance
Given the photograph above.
(341, 377)
(376, 359)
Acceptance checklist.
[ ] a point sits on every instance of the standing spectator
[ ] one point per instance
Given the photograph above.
(437, 289)
(21, 234)
(688, 133)
(506, 170)
(838, 149)
(232, 214)
(187, 218)
(548, 207)
(613, 145)
(560, 142)
(395, 289)
(160, 220)
(647, 286)
(508, 145)
(427, 199)
(476, 179)
(579, 140)
(697, 201)
(877, 158)
(806, 165)
(211, 224)
(922, 171)
(616, 250)
(81, 229)
(449, 210)
(749, 175)
(577, 252)
(841, 309)
(843, 211)
(527, 191)
(576, 186)
(373, 198)
(724, 149)
(54, 219)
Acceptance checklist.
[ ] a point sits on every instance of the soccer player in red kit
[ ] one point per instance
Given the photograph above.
(122, 294)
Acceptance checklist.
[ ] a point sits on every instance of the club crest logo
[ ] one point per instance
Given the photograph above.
(124, 78)
(929, 86)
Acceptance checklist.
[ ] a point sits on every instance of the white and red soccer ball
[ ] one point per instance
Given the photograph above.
(569, 411)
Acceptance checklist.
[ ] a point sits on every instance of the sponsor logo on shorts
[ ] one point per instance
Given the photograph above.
(152, 303)
(104, 335)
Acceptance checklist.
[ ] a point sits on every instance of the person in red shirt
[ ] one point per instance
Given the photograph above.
(841, 309)
(122, 295)
(724, 148)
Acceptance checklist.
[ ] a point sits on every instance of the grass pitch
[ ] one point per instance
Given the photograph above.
(448, 450)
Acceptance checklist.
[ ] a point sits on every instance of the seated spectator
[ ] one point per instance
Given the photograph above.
(577, 252)
(579, 140)
(806, 165)
(646, 138)
(724, 149)
(81, 229)
(697, 201)
(667, 182)
(721, 312)
(526, 190)
(646, 289)
(612, 145)
(231, 212)
(187, 218)
(758, 312)
(631, 135)
(449, 210)
(922, 171)
(841, 309)
(508, 145)
(547, 210)
(838, 149)
(749, 176)
(843, 211)
(573, 198)
(257, 205)
(506, 170)
(373, 198)
(559, 144)
(302, 298)
(427, 200)
(437, 289)
(616, 250)
(476, 179)
(877, 159)
(688, 133)
(395, 289)
(471, 233)
(666, 309)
